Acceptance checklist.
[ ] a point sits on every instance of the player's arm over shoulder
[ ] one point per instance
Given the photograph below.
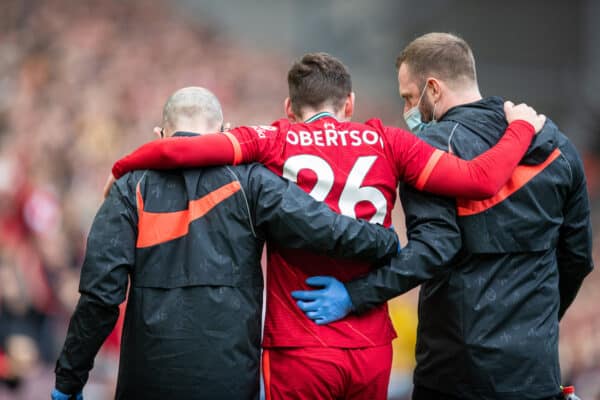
(412, 153)
(428, 168)
(258, 143)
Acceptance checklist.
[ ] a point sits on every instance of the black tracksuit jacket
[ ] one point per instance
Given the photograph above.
(496, 275)
(193, 320)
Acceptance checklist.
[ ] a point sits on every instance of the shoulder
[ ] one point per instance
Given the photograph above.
(375, 123)
(253, 173)
(261, 131)
(567, 148)
(281, 123)
(570, 153)
(126, 185)
(391, 134)
(440, 134)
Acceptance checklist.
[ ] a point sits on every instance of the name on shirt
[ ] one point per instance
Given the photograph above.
(333, 137)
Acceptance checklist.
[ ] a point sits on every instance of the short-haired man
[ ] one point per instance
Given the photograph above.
(354, 168)
(189, 244)
(488, 321)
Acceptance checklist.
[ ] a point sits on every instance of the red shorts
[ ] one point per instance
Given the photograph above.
(327, 373)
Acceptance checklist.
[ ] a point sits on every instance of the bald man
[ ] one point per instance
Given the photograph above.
(189, 243)
(192, 108)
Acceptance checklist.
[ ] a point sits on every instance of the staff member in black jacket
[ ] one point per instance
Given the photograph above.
(189, 243)
(497, 275)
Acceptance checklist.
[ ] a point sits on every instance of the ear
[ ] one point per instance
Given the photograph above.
(434, 87)
(349, 106)
(158, 132)
(287, 106)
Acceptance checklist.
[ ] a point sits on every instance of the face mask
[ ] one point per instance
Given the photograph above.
(414, 121)
(413, 116)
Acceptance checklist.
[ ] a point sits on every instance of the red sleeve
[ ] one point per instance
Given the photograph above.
(410, 154)
(262, 143)
(483, 176)
(180, 152)
(244, 144)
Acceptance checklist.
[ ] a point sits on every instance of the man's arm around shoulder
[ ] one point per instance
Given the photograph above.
(434, 239)
(293, 219)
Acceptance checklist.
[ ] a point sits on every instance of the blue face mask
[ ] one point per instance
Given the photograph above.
(413, 117)
(414, 121)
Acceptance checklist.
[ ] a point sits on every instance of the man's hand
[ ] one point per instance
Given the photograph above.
(58, 395)
(109, 182)
(325, 305)
(524, 112)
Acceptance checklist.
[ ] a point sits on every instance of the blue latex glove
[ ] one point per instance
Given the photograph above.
(58, 395)
(324, 305)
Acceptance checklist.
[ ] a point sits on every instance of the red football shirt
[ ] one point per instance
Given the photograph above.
(354, 168)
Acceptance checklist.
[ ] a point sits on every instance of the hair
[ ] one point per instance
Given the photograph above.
(442, 55)
(317, 79)
(193, 103)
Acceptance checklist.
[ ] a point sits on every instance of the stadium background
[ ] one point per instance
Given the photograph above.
(83, 82)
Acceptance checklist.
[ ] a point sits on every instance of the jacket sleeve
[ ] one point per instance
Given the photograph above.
(433, 240)
(110, 255)
(574, 248)
(293, 219)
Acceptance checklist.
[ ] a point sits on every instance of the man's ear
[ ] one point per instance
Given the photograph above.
(158, 131)
(434, 87)
(349, 106)
(287, 106)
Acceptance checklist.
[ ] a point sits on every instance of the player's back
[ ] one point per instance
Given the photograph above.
(347, 165)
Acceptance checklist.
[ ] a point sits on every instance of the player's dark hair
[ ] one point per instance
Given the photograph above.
(441, 55)
(317, 79)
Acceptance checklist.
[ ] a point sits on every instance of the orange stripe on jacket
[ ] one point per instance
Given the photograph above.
(237, 149)
(267, 373)
(426, 172)
(155, 228)
(520, 177)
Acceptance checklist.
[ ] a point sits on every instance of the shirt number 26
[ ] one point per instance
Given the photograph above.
(352, 193)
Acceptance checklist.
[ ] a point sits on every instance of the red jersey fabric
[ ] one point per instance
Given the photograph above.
(354, 168)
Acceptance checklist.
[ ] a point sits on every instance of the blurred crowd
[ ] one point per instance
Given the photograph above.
(82, 83)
